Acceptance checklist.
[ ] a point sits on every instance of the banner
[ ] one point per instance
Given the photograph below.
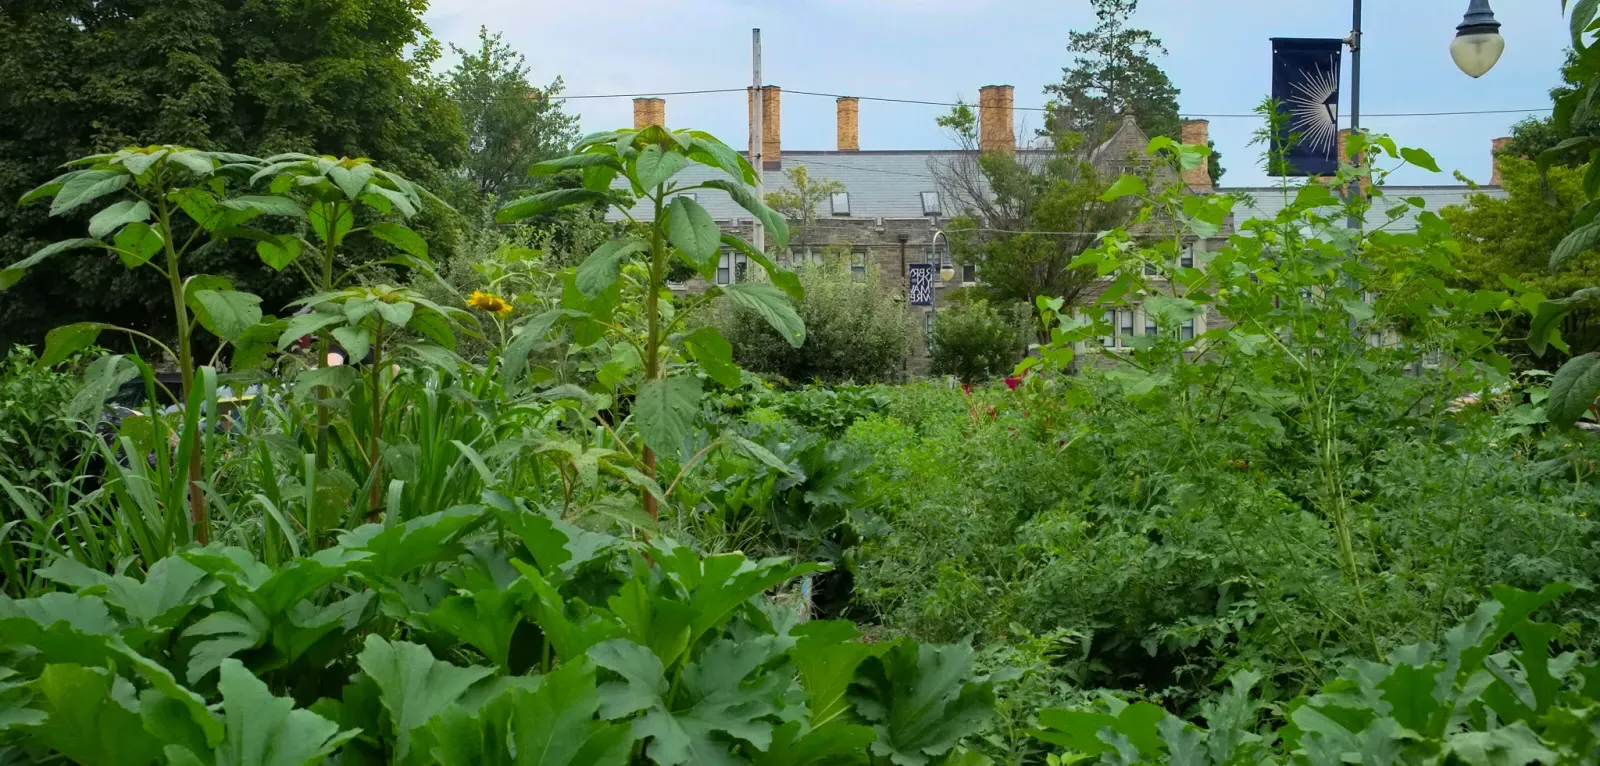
(921, 285)
(1305, 83)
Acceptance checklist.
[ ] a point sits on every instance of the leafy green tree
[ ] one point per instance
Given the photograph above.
(1113, 72)
(799, 204)
(1024, 216)
(977, 341)
(510, 123)
(83, 77)
(1513, 237)
(856, 330)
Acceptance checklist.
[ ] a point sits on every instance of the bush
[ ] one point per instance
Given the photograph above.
(977, 341)
(856, 330)
(36, 438)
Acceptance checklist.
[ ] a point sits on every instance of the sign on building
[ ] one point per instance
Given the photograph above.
(921, 290)
(1305, 85)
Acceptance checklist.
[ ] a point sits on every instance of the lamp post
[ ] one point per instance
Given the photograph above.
(1478, 43)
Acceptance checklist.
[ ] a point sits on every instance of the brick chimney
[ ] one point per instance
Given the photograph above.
(995, 133)
(771, 145)
(649, 111)
(1197, 133)
(1499, 148)
(849, 124)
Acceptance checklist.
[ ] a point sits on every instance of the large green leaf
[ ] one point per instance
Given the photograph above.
(574, 162)
(87, 187)
(777, 228)
(1548, 315)
(544, 202)
(553, 725)
(786, 280)
(773, 305)
(1126, 185)
(826, 655)
(227, 314)
(414, 685)
(274, 591)
(707, 150)
(656, 164)
(10, 275)
(402, 237)
(331, 221)
(601, 269)
(795, 744)
(485, 619)
(93, 718)
(398, 549)
(719, 584)
(664, 411)
(118, 215)
(66, 340)
(691, 230)
(715, 355)
(137, 243)
(264, 730)
(222, 635)
(1573, 390)
(170, 590)
(266, 205)
(1581, 240)
(920, 702)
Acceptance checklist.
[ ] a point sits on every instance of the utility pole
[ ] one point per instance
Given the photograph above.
(1355, 98)
(757, 134)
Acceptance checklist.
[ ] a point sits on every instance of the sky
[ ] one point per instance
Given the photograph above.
(1218, 55)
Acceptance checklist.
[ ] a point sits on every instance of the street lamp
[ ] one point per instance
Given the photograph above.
(947, 270)
(1478, 43)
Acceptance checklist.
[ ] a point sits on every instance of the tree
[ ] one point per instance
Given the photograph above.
(1113, 72)
(84, 76)
(799, 203)
(1025, 217)
(1513, 237)
(510, 123)
(976, 341)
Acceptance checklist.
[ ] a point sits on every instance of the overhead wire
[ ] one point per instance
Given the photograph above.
(922, 102)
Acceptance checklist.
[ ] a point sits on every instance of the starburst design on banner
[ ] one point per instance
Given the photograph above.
(1314, 107)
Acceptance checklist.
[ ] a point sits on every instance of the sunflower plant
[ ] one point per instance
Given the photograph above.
(667, 228)
(163, 204)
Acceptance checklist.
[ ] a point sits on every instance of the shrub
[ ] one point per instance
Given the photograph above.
(977, 341)
(36, 434)
(856, 330)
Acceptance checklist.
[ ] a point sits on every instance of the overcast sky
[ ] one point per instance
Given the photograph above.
(938, 50)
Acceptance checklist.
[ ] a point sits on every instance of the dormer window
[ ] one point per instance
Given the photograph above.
(930, 203)
(841, 203)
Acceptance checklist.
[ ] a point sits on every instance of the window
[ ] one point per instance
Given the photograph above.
(841, 203)
(1150, 325)
(1110, 341)
(1122, 325)
(691, 195)
(969, 272)
(930, 203)
(741, 268)
(1186, 330)
(725, 268)
(1149, 269)
(858, 264)
(1187, 259)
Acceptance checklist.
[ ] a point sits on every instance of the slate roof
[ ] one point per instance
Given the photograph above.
(1268, 201)
(889, 184)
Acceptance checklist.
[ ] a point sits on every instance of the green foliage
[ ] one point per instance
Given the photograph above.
(855, 330)
(38, 431)
(1513, 237)
(232, 79)
(978, 341)
(510, 123)
(799, 203)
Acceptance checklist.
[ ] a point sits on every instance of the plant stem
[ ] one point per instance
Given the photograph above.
(652, 357)
(199, 520)
(377, 421)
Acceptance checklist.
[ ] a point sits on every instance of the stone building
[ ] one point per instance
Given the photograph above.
(893, 208)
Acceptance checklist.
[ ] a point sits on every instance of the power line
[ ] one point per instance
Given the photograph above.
(885, 99)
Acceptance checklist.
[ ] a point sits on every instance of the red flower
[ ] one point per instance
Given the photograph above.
(966, 388)
(1012, 382)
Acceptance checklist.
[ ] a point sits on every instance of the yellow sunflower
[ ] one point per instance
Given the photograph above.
(490, 303)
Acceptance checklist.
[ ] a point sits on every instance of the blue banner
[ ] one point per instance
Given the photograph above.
(1305, 83)
(921, 285)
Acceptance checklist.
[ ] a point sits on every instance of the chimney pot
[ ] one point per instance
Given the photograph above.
(649, 111)
(1498, 148)
(995, 132)
(849, 124)
(1197, 133)
(771, 115)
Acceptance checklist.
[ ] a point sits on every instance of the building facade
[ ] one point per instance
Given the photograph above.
(893, 209)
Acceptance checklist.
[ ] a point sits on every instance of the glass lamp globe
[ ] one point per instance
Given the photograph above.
(1478, 43)
(947, 273)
